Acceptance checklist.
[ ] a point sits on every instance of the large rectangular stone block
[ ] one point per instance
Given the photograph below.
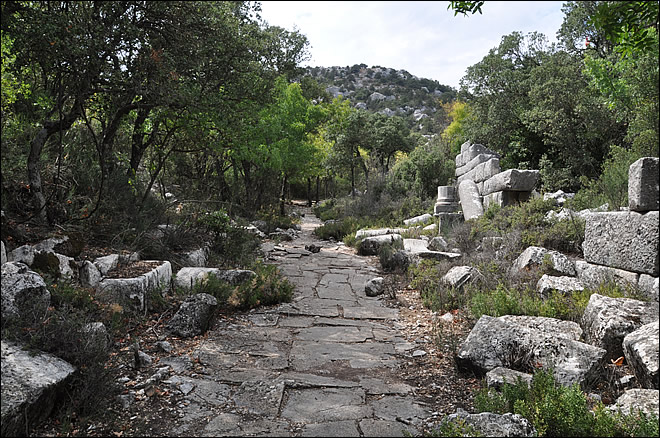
(512, 180)
(482, 172)
(479, 159)
(505, 198)
(623, 239)
(471, 202)
(644, 185)
(470, 153)
(592, 275)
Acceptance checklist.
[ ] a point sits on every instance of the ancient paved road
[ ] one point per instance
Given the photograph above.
(322, 365)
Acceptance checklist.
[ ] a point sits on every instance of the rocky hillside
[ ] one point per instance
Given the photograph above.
(387, 91)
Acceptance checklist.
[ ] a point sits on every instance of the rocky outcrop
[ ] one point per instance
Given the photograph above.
(606, 321)
(641, 350)
(30, 385)
(522, 343)
(635, 400)
(194, 315)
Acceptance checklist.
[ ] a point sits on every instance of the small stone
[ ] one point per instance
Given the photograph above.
(419, 353)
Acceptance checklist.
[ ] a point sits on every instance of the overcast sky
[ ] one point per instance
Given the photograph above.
(423, 38)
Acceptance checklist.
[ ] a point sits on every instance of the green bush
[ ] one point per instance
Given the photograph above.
(427, 278)
(556, 410)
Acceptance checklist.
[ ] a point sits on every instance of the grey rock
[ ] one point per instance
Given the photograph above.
(625, 240)
(375, 287)
(134, 291)
(564, 285)
(506, 198)
(537, 257)
(490, 424)
(497, 377)
(644, 185)
(3, 253)
(634, 400)
(649, 286)
(470, 153)
(188, 277)
(106, 263)
(165, 346)
(142, 359)
(560, 197)
(512, 180)
(30, 386)
(641, 350)
(593, 275)
(361, 234)
(606, 321)
(476, 161)
(194, 315)
(438, 244)
(95, 337)
(458, 276)
(371, 245)
(520, 342)
(89, 275)
(418, 219)
(23, 254)
(24, 293)
(471, 204)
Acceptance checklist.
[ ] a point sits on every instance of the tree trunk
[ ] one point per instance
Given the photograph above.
(318, 183)
(309, 191)
(282, 196)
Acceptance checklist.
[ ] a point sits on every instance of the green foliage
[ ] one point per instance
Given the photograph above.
(457, 428)
(556, 410)
(427, 279)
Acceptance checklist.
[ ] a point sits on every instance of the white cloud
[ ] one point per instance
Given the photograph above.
(423, 38)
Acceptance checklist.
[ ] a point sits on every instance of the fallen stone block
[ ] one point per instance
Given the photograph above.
(506, 198)
(374, 287)
(625, 240)
(649, 286)
(438, 244)
(594, 275)
(107, 263)
(3, 253)
(522, 343)
(606, 321)
(471, 204)
(458, 276)
(644, 185)
(539, 257)
(361, 234)
(635, 400)
(371, 245)
(564, 285)
(30, 386)
(497, 377)
(490, 424)
(512, 180)
(24, 293)
(479, 159)
(189, 276)
(89, 275)
(641, 350)
(23, 254)
(482, 171)
(470, 153)
(418, 219)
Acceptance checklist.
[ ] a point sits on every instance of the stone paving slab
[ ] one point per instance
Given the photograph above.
(326, 404)
(335, 334)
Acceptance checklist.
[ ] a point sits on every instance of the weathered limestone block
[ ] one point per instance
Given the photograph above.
(95, 337)
(482, 171)
(490, 424)
(515, 341)
(468, 193)
(23, 254)
(418, 219)
(497, 377)
(418, 248)
(24, 293)
(194, 315)
(106, 263)
(623, 239)
(644, 185)
(537, 257)
(187, 277)
(458, 276)
(634, 400)
(3, 253)
(470, 153)
(649, 286)
(512, 180)
(371, 245)
(30, 385)
(479, 159)
(438, 244)
(641, 350)
(136, 289)
(465, 146)
(197, 257)
(89, 275)
(593, 275)
(448, 220)
(360, 234)
(564, 285)
(506, 198)
(606, 321)
(374, 287)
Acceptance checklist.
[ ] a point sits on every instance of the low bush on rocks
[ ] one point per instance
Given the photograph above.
(556, 410)
(427, 278)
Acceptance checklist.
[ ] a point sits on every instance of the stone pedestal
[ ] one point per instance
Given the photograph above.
(446, 202)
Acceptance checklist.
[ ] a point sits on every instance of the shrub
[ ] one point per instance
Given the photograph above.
(427, 278)
(267, 288)
(556, 410)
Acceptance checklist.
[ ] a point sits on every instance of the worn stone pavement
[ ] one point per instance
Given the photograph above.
(323, 365)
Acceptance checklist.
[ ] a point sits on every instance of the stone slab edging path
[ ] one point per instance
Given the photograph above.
(323, 365)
